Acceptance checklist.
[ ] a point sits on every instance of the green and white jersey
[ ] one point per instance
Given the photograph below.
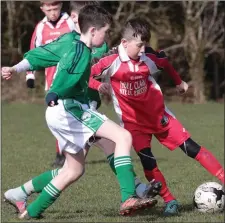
(72, 75)
(50, 54)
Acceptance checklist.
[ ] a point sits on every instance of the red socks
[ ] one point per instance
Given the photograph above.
(158, 176)
(210, 163)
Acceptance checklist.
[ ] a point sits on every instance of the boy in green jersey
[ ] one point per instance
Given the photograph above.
(73, 123)
(49, 55)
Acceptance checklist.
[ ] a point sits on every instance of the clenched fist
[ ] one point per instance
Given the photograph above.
(182, 88)
(7, 72)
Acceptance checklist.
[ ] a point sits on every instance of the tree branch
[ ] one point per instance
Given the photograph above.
(174, 47)
(201, 9)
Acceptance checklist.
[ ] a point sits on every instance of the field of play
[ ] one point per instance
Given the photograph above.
(28, 149)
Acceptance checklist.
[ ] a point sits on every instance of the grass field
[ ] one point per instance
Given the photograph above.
(28, 148)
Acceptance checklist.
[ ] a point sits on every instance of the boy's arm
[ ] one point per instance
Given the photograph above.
(41, 57)
(71, 69)
(181, 86)
(49, 54)
(96, 70)
(100, 67)
(161, 61)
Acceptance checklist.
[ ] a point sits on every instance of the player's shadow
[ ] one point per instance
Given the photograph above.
(96, 161)
(135, 160)
(152, 213)
(185, 208)
(62, 215)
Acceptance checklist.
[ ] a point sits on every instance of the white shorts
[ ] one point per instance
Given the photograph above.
(73, 123)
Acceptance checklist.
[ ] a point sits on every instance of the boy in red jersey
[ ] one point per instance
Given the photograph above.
(54, 24)
(139, 103)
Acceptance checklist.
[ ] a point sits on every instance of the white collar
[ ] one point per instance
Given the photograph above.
(124, 57)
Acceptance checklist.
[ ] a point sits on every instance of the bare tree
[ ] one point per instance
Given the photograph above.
(195, 27)
(18, 18)
(204, 35)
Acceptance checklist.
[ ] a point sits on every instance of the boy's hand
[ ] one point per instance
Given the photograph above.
(182, 88)
(51, 99)
(7, 72)
(104, 88)
(51, 104)
(105, 92)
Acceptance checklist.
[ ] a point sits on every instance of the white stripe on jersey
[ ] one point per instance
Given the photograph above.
(38, 40)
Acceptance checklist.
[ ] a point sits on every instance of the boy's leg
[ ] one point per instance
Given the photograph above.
(69, 174)
(83, 124)
(178, 136)
(141, 143)
(59, 159)
(204, 157)
(123, 166)
(18, 196)
(142, 190)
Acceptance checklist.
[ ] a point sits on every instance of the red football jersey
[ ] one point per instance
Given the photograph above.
(45, 33)
(137, 98)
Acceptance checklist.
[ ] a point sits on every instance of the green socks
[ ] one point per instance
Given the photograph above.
(110, 159)
(125, 176)
(42, 180)
(46, 198)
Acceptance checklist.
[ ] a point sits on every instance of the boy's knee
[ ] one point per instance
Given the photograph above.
(190, 148)
(126, 136)
(147, 159)
(74, 175)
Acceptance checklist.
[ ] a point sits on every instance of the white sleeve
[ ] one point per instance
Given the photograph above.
(22, 66)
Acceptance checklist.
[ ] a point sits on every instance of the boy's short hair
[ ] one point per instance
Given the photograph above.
(48, 3)
(92, 15)
(137, 27)
(78, 5)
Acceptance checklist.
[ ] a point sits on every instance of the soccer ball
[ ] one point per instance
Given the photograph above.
(209, 198)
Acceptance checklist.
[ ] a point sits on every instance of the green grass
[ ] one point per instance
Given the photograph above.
(28, 148)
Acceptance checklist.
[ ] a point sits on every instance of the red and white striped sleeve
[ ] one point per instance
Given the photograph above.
(36, 41)
(162, 62)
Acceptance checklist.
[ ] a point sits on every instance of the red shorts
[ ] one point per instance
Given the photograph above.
(174, 135)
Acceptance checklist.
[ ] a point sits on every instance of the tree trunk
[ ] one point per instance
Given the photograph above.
(11, 16)
(195, 57)
(197, 74)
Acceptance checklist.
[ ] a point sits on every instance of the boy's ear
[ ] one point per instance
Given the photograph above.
(92, 30)
(124, 42)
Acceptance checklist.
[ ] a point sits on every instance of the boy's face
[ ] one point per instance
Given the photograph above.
(52, 12)
(134, 47)
(74, 16)
(99, 35)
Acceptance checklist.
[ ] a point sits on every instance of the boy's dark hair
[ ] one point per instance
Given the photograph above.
(92, 15)
(78, 5)
(137, 27)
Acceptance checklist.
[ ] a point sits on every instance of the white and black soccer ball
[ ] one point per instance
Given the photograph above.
(209, 198)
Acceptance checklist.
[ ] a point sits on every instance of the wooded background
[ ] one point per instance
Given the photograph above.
(191, 33)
